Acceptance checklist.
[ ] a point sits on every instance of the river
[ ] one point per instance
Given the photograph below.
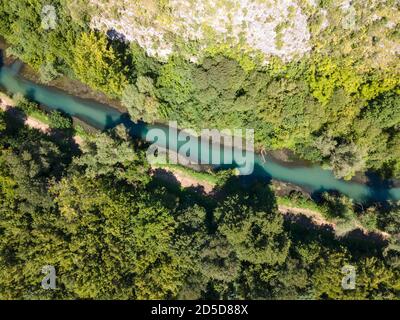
(312, 178)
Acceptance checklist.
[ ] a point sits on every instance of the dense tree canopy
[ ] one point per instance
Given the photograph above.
(96, 64)
(350, 103)
(112, 230)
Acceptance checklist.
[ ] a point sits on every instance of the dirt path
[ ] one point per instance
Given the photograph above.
(185, 180)
(36, 124)
(315, 216)
(6, 103)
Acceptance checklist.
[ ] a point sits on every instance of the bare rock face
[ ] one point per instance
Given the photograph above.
(262, 29)
(274, 27)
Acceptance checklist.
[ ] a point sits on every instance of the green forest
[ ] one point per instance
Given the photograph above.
(113, 231)
(334, 108)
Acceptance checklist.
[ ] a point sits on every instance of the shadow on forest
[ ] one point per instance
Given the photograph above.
(379, 187)
(335, 207)
(258, 193)
(302, 228)
(251, 190)
(64, 138)
(169, 178)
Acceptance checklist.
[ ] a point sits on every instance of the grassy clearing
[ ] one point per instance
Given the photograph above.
(35, 112)
(301, 203)
(81, 132)
(40, 116)
(208, 177)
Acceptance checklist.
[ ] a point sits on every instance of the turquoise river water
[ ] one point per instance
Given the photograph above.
(311, 178)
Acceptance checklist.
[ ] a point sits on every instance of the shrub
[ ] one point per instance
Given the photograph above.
(59, 120)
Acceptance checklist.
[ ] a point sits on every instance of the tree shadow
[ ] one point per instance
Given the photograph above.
(303, 229)
(111, 122)
(187, 196)
(114, 35)
(168, 177)
(358, 241)
(15, 119)
(250, 190)
(65, 138)
(332, 200)
(172, 182)
(22, 136)
(379, 187)
(308, 223)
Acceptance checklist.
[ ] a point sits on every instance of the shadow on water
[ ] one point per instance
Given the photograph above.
(64, 138)
(111, 123)
(259, 174)
(104, 117)
(136, 130)
(30, 95)
(379, 188)
(261, 197)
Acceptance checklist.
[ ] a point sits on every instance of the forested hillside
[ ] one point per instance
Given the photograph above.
(113, 232)
(334, 101)
(319, 78)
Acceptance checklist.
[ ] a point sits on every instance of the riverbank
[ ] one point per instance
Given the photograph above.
(283, 157)
(291, 209)
(4, 59)
(72, 87)
(206, 182)
(82, 91)
(7, 104)
(313, 179)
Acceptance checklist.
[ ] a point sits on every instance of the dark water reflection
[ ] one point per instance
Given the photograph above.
(312, 178)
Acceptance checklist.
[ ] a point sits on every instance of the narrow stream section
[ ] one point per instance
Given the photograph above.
(313, 178)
